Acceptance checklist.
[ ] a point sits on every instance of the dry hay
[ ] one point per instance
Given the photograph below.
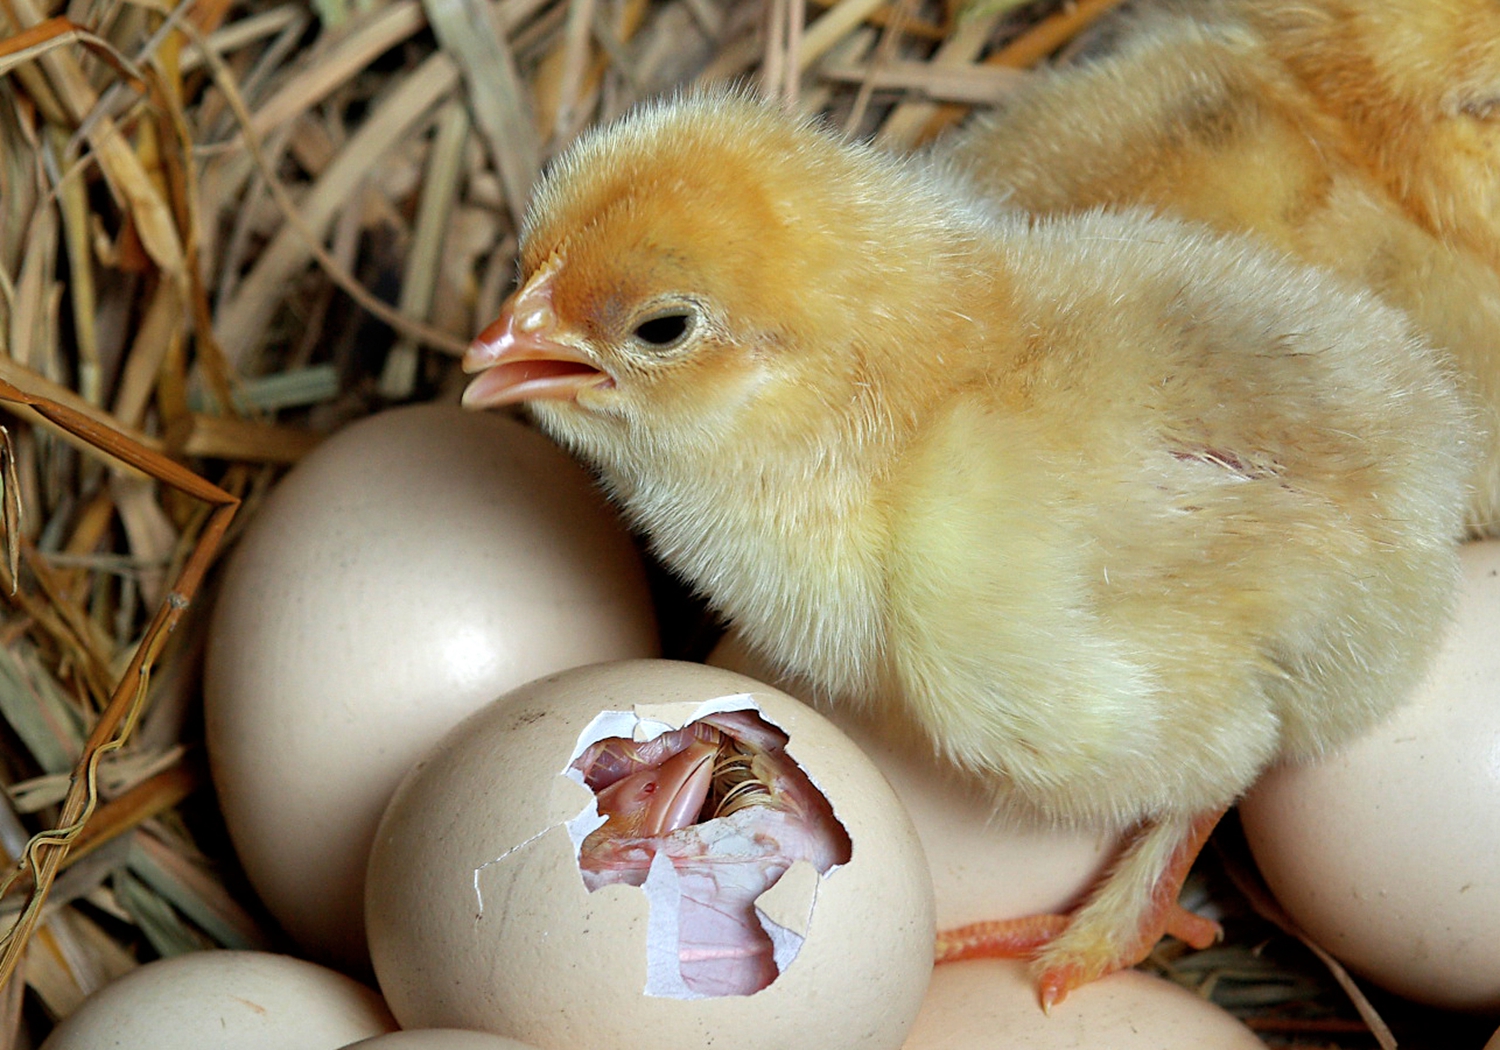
(230, 226)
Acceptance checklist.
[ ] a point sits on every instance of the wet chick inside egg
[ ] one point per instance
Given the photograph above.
(780, 902)
(721, 803)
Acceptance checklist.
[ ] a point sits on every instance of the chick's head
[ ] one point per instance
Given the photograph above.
(699, 259)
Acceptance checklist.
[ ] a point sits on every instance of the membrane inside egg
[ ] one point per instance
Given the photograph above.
(705, 820)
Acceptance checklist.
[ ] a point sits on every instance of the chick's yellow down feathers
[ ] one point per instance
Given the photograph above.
(1361, 135)
(1114, 511)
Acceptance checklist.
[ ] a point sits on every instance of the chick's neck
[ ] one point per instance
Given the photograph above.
(777, 526)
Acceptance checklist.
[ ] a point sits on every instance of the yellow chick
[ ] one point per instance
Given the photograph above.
(1113, 510)
(1362, 135)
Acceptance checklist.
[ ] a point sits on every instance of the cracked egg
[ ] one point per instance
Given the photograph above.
(650, 853)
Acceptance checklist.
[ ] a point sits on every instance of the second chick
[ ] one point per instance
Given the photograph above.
(1361, 135)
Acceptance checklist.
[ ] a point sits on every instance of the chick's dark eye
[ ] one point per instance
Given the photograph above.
(664, 330)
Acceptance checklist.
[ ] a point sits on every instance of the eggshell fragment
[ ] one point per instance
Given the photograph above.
(991, 1004)
(1385, 853)
(228, 1000)
(438, 1039)
(479, 916)
(415, 566)
(985, 865)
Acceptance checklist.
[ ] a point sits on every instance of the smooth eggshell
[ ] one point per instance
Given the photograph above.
(438, 1039)
(413, 567)
(985, 865)
(991, 1004)
(478, 917)
(227, 1000)
(1388, 852)
(1494, 1043)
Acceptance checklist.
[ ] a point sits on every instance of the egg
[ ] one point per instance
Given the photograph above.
(413, 567)
(796, 913)
(1494, 1043)
(228, 1000)
(990, 1004)
(1386, 852)
(984, 865)
(438, 1039)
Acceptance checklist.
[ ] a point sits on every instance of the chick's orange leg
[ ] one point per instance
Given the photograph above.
(1131, 909)
(1134, 907)
(1001, 939)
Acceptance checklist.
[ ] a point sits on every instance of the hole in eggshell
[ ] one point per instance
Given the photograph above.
(708, 819)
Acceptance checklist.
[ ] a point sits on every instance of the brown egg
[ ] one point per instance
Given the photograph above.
(795, 912)
(438, 1039)
(991, 1004)
(985, 865)
(1388, 852)
(413, 567)
(228, 1001)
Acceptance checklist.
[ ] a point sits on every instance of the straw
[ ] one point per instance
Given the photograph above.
(230, 227)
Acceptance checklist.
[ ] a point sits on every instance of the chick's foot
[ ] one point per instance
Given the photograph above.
(1132, 908)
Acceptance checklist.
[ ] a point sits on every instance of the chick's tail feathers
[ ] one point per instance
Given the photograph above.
(1131, 908)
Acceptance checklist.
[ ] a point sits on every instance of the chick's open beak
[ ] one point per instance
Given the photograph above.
(520, 357)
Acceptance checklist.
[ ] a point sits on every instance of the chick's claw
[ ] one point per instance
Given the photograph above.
(1064, 966)
(1132, 910)
(1193, 929)
(1105, 934)
(1031, 937)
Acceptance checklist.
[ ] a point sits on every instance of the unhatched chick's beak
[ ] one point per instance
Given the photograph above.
(520, 356)
(659, 800)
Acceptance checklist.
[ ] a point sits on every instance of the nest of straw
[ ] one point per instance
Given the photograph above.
(228, 227)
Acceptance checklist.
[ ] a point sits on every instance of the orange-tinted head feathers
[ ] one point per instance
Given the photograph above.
(703, 251)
